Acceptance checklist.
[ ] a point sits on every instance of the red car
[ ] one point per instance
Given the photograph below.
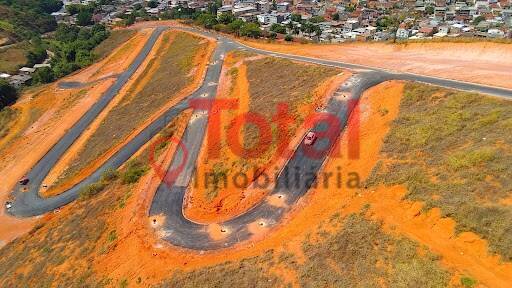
(310, 138)
(23, 181)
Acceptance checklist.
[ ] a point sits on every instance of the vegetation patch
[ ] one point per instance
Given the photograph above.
(116, 39)
(452, 150)
(357, 254)
(8, 116)
(11, 59)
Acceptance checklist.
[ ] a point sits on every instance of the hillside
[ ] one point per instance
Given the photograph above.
(28, 18)
(352, 240)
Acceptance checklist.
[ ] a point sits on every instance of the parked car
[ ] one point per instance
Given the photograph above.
(310, 138)
(23, 181)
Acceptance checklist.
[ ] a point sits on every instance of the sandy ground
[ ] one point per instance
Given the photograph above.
(480, 62)
(59, 110)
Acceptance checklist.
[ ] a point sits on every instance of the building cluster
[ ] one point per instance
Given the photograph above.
(24, 75)
(342, 20)
(380, 20)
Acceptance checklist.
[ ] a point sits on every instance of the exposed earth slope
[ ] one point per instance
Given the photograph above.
(377, 206)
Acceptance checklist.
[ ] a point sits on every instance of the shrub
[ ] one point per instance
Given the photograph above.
(134, 170)
(467, 281)
(90, 190)
(109, 175)
(288, 38)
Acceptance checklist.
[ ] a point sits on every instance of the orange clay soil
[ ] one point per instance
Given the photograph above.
(462, 254)
(231, 200)
(157, 259)
(46, 114)
(200, 61)
(484, 62)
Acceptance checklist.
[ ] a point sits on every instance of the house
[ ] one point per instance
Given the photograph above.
(263, 6)
(27, 70)
(249, 17)
(283, 7)
(243, 10)
(350, 25)
(224, 9)
(427, 31)
(4, 76)
(495, 33)
(38, 66)
(18, 80)
(403, 33)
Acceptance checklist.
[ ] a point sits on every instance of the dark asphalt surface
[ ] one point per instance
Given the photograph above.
(178, 230)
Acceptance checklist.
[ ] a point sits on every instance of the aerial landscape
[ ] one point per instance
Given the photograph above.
(255, 143)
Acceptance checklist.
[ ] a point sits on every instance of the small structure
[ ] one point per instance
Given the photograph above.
(4, 76)
(18, 80)
(27, 70)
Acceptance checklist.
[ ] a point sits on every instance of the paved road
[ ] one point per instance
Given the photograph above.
(169, 200)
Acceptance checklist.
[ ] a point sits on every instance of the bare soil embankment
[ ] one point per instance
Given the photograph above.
(479, 62)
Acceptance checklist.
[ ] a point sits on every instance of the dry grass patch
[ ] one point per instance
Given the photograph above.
(12, 58)
(270, 81)
(116, 39)
(453, 150)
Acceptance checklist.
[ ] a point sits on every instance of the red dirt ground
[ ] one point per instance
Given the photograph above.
(480, 62)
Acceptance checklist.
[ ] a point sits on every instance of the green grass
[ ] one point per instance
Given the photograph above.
(12, 58)
(468, 282)
(116, 39)
(456, 146)
(136, 107)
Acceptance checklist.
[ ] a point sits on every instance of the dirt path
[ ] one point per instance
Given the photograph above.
(485, 63)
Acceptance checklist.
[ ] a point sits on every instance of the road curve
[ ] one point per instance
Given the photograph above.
(168, 201)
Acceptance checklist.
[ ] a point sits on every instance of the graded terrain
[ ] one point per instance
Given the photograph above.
(407, 184)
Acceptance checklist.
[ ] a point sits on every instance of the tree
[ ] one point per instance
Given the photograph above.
(235, 26)
(50, 6)
(429, 10)
(152, 4)
(296, 18)
(317, 19)
(478, 19)
(36, 55)
(130, 19)
(207, 20)
(73, 8)
(336, 16)
(278, 28)
(84, 17)
(288, 38)
(43, 75)
(250, 30)
(226, 18)
(8, 94)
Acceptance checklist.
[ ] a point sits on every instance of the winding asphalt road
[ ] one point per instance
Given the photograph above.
(168, 200)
